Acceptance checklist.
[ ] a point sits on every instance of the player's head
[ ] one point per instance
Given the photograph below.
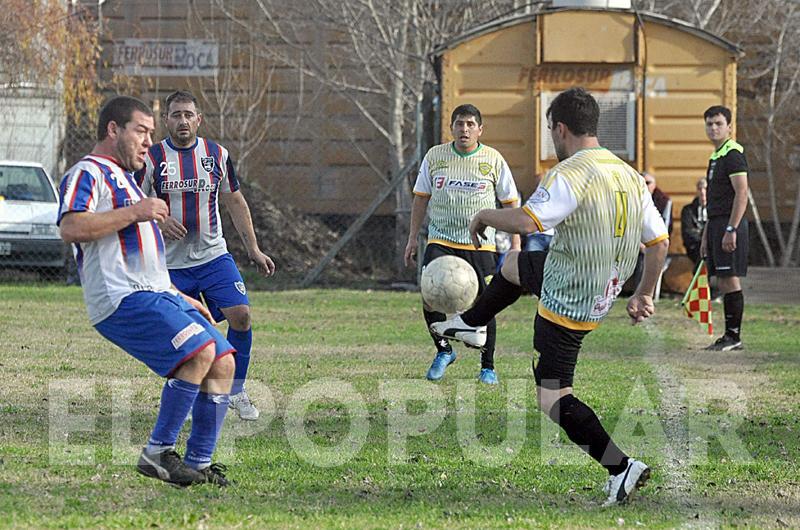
(125, 127)
(466, 125)
(182, 117)
(650, 181)
(576, 111)
(702, 186)
(719, 124)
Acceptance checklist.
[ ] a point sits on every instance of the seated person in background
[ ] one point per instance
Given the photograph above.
(693, 219)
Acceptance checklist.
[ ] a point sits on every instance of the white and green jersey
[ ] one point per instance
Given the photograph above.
(459, 186)
(601, 211)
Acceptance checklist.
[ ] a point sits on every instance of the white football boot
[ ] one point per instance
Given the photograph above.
(243, 406)
(455, 328)
(620, 487)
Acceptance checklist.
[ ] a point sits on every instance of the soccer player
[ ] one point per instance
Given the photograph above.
(726, 236)
(601, 211)
(188, 172)
(120, 256)
(455, 181)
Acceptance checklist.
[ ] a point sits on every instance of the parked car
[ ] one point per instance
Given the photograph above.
(29, 237)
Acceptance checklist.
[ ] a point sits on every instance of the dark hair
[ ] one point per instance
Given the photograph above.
(181, 96)
(576, 109)
(466, 110)
(718, 109)
(119, 109)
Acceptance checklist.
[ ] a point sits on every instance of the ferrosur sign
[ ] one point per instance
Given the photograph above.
(167, 57)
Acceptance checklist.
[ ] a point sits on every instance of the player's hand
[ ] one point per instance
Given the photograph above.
(729, 242)
(640, 308)
(477, 230)
(150, 209)
(410, 254)
(263, 263)
(172, 228)
(203, 310)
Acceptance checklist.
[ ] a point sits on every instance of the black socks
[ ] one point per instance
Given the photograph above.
(584, 429)
(734, 307)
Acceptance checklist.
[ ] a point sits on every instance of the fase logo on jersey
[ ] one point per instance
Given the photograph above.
(465, 185)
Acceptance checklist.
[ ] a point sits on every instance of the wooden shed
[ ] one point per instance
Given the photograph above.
(652, 76)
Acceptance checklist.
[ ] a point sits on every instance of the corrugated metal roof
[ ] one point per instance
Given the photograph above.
(496, 25)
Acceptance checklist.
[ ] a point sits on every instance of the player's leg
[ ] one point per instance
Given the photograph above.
(485, 265)
(729, 267)
(156, 329)
(558, 349)
(445, 355)
(522, 272)
(208, 416)
(226, 295)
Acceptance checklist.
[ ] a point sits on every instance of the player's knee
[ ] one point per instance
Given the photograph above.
(510, 268)
(223, 367)
(547, 398)
(203, 358)
(238, 317)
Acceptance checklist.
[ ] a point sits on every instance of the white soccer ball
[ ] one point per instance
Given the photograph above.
(449, 284)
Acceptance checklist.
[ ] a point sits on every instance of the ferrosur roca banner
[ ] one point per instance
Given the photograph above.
(166, 57)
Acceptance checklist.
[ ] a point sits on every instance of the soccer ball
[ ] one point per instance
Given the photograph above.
(449, 284)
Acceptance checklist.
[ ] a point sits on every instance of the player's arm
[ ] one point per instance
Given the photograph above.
(508, 196)
(243, 222)
(512, 220)
(422, 195)
(418, 209)
(550, 204)
(515, 239)
(656, 242)
(83, 226)
(739, 183)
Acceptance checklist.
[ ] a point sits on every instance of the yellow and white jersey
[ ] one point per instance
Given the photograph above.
(601, 211)
(459, 186)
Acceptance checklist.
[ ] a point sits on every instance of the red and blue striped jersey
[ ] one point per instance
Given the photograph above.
(120, 263)
(189, 179)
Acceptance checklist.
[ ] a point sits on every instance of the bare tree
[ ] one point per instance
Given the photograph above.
(373, 57)
(769, 73)
(51, 44)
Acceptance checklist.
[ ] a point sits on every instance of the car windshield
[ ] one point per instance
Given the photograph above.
(23, 183)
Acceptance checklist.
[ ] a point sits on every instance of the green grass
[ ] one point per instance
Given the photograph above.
(495, 464)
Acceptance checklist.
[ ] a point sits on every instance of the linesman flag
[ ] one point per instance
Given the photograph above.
(697, 300)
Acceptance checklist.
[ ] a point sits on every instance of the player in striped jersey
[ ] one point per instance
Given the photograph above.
(455, 181)
(189, 172)
(601, 210)
(123, 271)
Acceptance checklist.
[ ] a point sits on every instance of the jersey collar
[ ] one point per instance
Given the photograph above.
(176, 148)
(465, 155)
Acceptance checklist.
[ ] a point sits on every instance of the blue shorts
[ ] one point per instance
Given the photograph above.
(219, 281)
(161, 330)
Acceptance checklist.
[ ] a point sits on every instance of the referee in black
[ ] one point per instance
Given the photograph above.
(725, 238)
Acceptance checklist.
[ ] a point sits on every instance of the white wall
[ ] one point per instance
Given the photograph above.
(32, 126)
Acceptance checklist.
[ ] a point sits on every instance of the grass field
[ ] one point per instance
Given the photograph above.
(352, 436)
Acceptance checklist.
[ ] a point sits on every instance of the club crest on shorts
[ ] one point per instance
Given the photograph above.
(208, 163)
(240, 287)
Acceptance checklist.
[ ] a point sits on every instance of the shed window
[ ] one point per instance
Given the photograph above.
(616, 130)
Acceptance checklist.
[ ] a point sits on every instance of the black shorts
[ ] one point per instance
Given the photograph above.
(558, 349)
(483, 261)
(727, 264)
(531, 271)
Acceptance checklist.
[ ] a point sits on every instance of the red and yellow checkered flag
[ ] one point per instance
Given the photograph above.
(697, 300)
